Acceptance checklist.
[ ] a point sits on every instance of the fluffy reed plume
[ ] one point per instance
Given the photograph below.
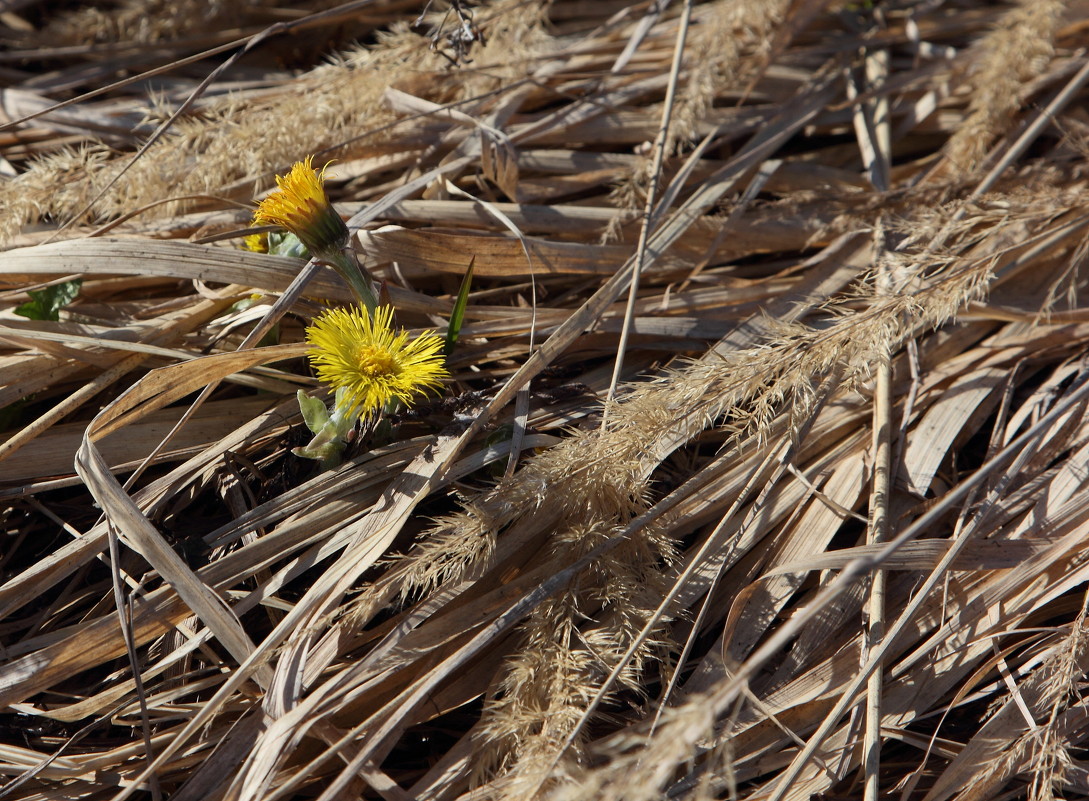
(233, 142)
(561, 662)
(1050, 764)
(727, 32)
(1017, 51)
(752, 386)
(724, 34)
(146, 22)
(627, 195)
(590, 486)
(1011, 744)
(1047, 749)
(517, 37)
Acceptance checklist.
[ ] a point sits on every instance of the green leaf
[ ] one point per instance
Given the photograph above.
(271, 337)
(502, 433)
(458, 314)
(247, 302)
(330, 430)
(314, 413)
(286, 244)
(45, 304)
(328, 453)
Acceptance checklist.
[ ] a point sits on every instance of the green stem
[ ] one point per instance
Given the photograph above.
(349, 268)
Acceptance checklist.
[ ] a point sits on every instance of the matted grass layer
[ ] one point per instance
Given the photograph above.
(761, 472)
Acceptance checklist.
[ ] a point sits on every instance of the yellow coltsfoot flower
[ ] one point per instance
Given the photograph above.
(258, 243)
(301, 206)
(363, 355)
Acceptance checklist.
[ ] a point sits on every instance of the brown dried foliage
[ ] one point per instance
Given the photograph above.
(669, 594)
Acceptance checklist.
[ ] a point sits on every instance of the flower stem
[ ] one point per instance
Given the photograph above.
(348, 267)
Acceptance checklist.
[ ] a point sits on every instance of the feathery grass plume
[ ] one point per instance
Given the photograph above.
(1051, 763)
(1043, 751)
(591, 485)
(463, 541)
(232, 141)
(1061, 671)
(767, 377)
(56, 184)
(242, 137)
(563, 659)
(627, 195)
(362, 354)
(638, 773)
(144, 21)
(516, 34)
(728, 32)
(1017, 51)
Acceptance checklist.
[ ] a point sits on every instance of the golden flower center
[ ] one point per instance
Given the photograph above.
(374, 362)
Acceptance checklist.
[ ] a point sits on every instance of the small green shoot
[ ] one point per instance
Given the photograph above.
(458, 314)
(330, 430)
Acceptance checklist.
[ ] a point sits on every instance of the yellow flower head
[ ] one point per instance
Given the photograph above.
(363, 354)
(301, 206)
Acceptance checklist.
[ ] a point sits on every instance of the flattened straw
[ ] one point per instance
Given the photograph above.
(755, 187)
(521, 408)
(124, 617)
(643, 27)
(872, 131)
(48, 418)
(264, 325)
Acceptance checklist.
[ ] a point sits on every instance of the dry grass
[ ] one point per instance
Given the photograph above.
(827, 540)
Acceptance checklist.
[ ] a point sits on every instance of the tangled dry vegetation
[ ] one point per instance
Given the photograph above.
(820, 532)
